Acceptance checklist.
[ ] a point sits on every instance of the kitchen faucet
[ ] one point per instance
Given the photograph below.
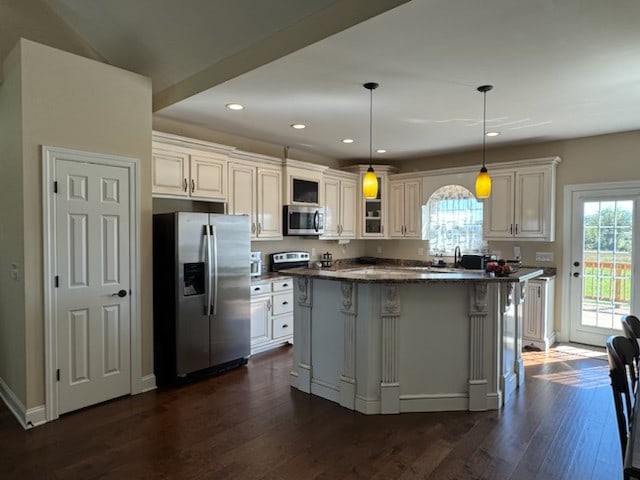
(457, 256)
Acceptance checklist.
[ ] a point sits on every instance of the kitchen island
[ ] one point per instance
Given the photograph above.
(406, 339)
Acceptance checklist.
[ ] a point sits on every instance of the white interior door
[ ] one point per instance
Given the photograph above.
(604, 249)
(92, 264)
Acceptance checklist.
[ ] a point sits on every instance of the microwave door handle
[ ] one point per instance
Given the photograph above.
(316, 216)
(214, 241)
(208, 264)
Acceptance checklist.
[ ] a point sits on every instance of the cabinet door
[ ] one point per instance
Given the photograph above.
(209, 176)
(533, 312)
(170, 173)
(373, 212)
(498, 208)
(412, 208)
(530, 209)
(396, 209)
(348, 193)
(269, 213)
(260, 319)
(242, 194)
(331, 208)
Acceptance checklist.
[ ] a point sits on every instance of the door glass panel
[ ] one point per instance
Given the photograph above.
(607, 254)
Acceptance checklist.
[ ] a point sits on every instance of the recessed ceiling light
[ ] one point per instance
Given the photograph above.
(234, 106)
(381, 150)
(347, 140)
(298, 126)
(493, 134)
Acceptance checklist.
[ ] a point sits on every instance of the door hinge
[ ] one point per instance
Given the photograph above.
(57, 280)
(55, 187)
(57, 375)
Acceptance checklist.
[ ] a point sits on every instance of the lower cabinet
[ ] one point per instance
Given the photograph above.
(537, 323)
(271, 314)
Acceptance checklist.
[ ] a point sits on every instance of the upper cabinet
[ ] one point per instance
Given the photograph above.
(522, 202)
(256, 190)
(339, 191)
(405, 207)
(184, 167)
(302, 183)
(372, 213)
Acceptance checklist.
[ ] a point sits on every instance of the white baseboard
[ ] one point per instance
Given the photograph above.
(368, 406)
(434, 402)
(325, 390)
(36, 416)
(148, 383)
(14, 404)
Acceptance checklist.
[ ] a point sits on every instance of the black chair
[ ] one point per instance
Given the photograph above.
(631, 327)
(622, 370)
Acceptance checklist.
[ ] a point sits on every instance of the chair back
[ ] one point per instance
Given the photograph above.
(622, 370)
(631, 328)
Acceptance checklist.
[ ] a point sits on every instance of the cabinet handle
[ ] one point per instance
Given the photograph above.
(539, 288)
(516, 228)
(382, 229)
(257, 289)
(193, 185)
(253, 227)
(285, 303)
(285, 326)
(285, 285)
(184, 184)
(268, 304)
(511, 229)
(259, 228)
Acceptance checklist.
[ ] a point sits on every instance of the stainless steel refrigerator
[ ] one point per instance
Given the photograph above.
(201, 293)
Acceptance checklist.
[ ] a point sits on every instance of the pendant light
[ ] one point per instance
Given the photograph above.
(370, 180)
(483, 181)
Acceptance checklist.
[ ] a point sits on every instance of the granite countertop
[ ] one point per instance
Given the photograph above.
(408, 274)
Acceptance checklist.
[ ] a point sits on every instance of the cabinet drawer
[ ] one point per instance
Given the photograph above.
(259, 288)
(282, 303)
(280, 285)
(283, 326)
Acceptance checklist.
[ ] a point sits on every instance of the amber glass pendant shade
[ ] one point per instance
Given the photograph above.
(370, 184)
(483, 184)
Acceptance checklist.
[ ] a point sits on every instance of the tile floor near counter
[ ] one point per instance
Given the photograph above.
(249, 424)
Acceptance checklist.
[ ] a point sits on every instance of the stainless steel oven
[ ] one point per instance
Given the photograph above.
(303, 220)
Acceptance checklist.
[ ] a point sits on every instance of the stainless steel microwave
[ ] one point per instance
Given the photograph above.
(303, 220)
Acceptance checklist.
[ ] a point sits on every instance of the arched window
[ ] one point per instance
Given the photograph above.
(453, 217)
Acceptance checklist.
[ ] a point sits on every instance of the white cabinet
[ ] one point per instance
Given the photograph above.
(405, 208)
(271, 313)
(184, 167)
(522, 204)
(372, 213)
(256, 190)
(340, 190)
(537, 324)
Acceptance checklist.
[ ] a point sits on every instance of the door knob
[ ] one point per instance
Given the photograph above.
(121, 293)
(576, 274)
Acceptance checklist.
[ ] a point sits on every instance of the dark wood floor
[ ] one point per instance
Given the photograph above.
(249, 424)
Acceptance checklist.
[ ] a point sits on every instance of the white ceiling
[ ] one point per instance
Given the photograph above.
(561, 69)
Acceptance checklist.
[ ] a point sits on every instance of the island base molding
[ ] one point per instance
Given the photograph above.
(387, 349)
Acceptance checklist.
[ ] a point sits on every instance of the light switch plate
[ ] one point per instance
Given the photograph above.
(544, 256)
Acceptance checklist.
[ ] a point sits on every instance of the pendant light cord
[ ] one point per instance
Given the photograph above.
(370, 126)
(484, 127)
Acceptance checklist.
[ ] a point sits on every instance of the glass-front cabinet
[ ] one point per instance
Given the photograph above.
(373, 213)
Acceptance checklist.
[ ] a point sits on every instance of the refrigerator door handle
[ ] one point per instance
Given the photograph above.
(208, 262)
(214, 241)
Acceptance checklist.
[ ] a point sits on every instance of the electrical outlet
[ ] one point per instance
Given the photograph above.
(544, 257)
(420, 251)
(517, 253)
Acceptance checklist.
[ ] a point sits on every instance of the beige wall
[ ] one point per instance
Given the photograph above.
(353, 249)
(12, 301)
(72, 102)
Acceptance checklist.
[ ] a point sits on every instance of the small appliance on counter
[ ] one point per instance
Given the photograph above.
(284, 260)
(256, 264)
(474, 262)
